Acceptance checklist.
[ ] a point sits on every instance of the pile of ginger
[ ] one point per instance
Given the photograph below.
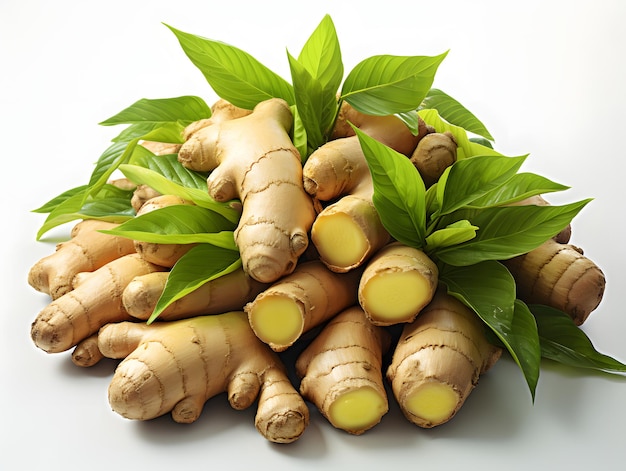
(320, 276)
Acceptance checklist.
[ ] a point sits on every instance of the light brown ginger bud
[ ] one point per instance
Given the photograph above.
(434, 153)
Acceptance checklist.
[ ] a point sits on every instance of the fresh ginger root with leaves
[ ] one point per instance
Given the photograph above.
(348, 230)
(341, 371)
(252, 158)
(177, 366)
(438, 360)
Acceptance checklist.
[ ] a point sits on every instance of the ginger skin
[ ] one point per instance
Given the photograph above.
(177, 366)
(347, 232)
(226, 293)
(397, 283)
(85, 251)
(96, 301)
(295, 304)
(560, 276)
(253, 159)
(341, 372)
(433, 155)
(438, 360)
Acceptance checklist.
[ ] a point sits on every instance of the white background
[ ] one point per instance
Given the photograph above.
(546, 77)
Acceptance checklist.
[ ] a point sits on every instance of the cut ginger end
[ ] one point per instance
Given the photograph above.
(339, 241)
(395, 295)
(357, 410)
(432, 403)
(276, 320)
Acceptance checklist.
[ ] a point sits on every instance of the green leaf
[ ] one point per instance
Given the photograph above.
(50, 205)
(198, 266)
(385, 84)
(454, 234)
(564, 342)
(169, 167)
(508, 231)
(489, 290)
(466, 146)
(233, 74)
(517, 188)
(160, 183)
(454, 112)
(184, 109)
(179, 224)
(399, 192)
(472, 178)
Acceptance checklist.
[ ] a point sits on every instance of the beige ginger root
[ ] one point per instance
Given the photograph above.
(341, 371)
(96, 301)
(177, 366)
(559, 276)
(433, 154)
(297, 303)
(85, 251)
(253, 159)
(438, 360)
(397, 283)
(227, 293)
(348, 231)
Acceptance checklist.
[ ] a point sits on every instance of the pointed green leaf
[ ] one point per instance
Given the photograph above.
(454, 112)
(564, 342)
(489, 289)
(162, 110)
(399, 192)
(200, 265)
(386, 84)
(453, 234)
(169, 167)
(233, 74)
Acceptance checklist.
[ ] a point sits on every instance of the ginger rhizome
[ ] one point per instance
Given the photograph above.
(298, 302)
(253, 159)
(348, 230)
(341, 371)
(85, 251)
(397, 283)
(438, 360)
(226, 293)
(94, 302)
(433, 155)
(175, 367)
(560, 276)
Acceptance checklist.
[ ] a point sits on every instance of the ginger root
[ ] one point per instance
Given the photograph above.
(85, 251)
(96, 301)
(397, 283)
(433, 155)
(253, 159)
(295, 304)
(341, 372)
(560, 276)
(177, 366)
(438, 360)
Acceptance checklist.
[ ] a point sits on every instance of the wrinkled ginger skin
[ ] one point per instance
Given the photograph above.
(348, 231)
(397, 283)
(85, 251)
(177, 366)
(341, 372)
(226, 293)
(559, 276)
(96, 301)
(165, 255)
(253, 159)
(438, 360)
(433, 155)
(297, 303)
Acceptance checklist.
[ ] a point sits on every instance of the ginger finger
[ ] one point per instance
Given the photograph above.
(433, 154)
(86, 251)
(253, 159)
(438, 360)
(341, 371)
(226, 293)
(177, 366)
(559, 276)
(397, 283)
(295, 304)
(96, 301)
